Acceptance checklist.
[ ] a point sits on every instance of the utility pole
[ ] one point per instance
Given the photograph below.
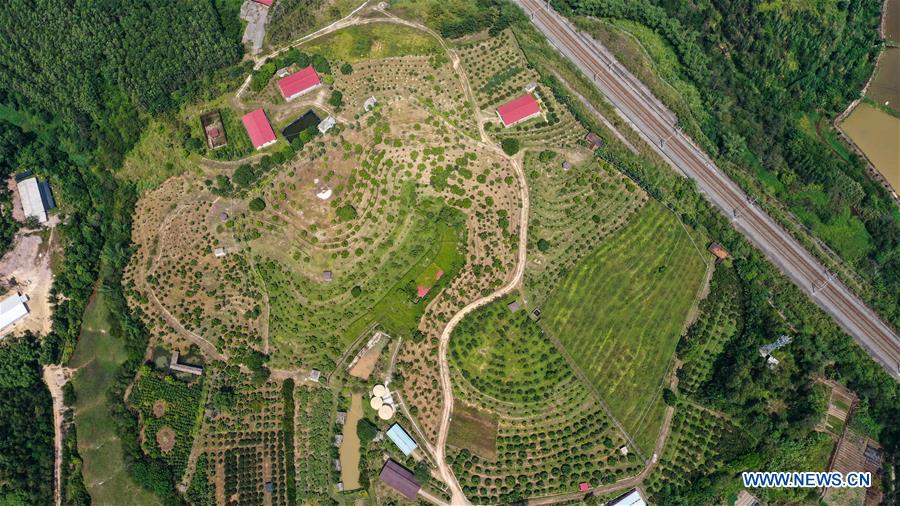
(737, 210)
(824, 283)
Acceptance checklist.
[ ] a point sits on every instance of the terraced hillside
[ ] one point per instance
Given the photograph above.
(550, 433)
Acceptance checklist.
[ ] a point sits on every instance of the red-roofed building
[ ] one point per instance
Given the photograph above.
(259, 129)
(584, 486)
(519, 109)
(422, 291)
(267, 3)
(299, 83)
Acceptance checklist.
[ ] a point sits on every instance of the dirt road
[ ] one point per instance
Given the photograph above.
(55, 376)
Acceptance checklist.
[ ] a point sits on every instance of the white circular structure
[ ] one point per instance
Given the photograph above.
(385, 412)
(379, 390)
(376, 403)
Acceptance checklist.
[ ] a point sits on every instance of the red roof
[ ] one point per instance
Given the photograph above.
(258, 128)
(422, 291)
(265, 2)
(518, 109)
(299, 82)
(584, 487)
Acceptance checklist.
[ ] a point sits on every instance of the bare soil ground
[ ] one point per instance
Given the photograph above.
(165, 438)
(26, 268)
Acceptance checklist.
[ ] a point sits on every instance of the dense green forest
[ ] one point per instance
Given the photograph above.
(762, 68)
(77, 83)
(94, 68)
(26, 425)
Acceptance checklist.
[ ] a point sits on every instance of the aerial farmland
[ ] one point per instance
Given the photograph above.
(413, 252)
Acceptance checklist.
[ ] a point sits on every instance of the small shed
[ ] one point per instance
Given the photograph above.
(623, 450)
(594, 141)
(341, 417)
(566, 165)
(338, 439)
(530, 87)
(269, 487)
(514, 306)
(189, 369)
(337, 464)
(717, 250)
(314, 375)
(370, 104)
(327, 276)
(219, 252)
(340, 486)
(283, 72)
(223, 216)
(584, 486)
(327, 124)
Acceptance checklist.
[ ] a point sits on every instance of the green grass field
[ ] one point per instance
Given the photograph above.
(620, 313)
(475, 430)
(97, 358)
(397, 311)
(373, 41)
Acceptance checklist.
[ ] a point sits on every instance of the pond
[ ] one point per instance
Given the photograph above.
(884, 88)
(309, 119)
(892, 20)
(876, 133)
(350, 445)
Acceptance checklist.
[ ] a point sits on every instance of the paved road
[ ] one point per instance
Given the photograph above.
(656, 124)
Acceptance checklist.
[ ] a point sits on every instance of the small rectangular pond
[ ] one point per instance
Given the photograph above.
(309, 119)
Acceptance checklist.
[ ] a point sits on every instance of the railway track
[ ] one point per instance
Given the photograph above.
(657, 125)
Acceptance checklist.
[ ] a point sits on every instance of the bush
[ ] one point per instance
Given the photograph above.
(543, 245)
(366, 431)
(669, 397)
(547, 155)
(510, 146)
(321, 64)
(257, 204)
(346, 212)
(356, 291)
(346, 69)
(243, 176)
(337, 98)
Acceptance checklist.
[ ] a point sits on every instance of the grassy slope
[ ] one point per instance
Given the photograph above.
(396, 311)
(621, 312)
(97, 357)
(373, 41)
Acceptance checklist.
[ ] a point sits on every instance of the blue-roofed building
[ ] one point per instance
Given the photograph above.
(401, 439)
